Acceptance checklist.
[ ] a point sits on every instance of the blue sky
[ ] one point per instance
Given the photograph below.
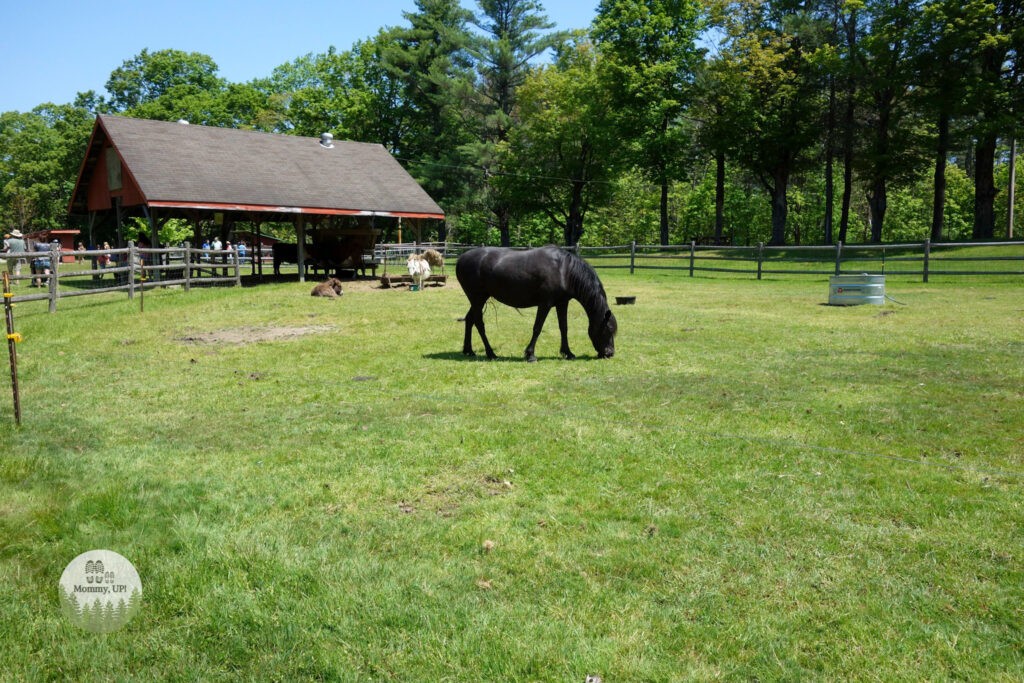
(52, 49)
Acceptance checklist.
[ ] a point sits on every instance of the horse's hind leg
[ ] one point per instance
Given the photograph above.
(467, 345)
(478, 320)
(475, 316)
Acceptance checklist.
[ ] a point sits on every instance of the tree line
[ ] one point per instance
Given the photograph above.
(664, 121)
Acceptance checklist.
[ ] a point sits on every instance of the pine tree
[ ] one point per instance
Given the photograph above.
(134, 604)
(514, 33)
(70, 606)
(119, 615)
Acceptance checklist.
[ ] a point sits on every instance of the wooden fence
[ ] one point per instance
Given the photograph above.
(917, 259)
(922, 259)
(135, 269)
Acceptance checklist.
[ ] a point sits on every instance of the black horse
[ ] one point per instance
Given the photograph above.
(546, 277)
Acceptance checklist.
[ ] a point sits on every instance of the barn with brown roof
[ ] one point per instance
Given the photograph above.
(159, 170)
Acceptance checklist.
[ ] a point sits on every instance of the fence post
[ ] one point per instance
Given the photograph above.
(188, 267)
(760, 256)
(131, 269)
(693, 248)
(52, 282)
(839, 255)
(632, 256)
(238, 267)
(927, 256)
(12, 339)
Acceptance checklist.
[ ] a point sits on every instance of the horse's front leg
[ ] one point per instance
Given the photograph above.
(563, 326)
(538, 325)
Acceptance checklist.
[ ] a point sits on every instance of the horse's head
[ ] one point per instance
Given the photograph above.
(602, 331)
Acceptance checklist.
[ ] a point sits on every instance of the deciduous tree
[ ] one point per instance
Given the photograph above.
(651, 47)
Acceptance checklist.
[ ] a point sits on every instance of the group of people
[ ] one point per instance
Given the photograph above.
(216, 245)
(16, 243)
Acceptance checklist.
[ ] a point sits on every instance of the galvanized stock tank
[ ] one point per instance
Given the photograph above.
(853, 290)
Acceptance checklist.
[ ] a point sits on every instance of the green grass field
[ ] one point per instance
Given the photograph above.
(756, 486)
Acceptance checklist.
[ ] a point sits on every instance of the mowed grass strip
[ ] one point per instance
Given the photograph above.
(357, 500)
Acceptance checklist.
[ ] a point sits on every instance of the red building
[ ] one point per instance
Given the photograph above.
(65, 237)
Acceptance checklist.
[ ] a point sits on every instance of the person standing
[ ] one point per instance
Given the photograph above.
(15, 245)
(40, 264)
(104, 259)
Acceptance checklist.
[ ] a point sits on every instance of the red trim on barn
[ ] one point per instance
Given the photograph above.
(213, 206)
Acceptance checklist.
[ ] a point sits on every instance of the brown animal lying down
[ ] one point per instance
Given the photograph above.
(330, 288)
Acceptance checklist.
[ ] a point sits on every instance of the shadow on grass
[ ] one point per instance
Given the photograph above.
(480, 358)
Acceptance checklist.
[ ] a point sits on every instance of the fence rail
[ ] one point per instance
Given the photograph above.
(915, 259)
(142, 268)
(186, 266)
(921, 259)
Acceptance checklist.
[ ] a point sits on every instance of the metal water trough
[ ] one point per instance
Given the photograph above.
(853, 290)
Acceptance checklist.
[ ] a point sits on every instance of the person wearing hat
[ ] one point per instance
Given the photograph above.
(15, 245)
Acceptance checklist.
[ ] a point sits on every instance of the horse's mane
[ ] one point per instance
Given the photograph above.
(584, 284)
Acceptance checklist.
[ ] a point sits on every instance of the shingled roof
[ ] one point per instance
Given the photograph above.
(178, 166)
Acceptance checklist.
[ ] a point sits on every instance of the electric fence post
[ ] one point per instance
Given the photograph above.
(12, 339)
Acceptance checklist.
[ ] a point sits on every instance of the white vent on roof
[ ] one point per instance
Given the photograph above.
(183, 121)
(327, 140)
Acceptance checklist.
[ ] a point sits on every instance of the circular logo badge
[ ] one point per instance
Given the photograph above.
(100, 591)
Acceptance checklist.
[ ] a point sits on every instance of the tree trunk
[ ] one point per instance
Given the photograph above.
(877, 194)
(501, 212)
(780, 178)
(848, 130)
(939, 197)
(984, 188)
(574, 221)
(719, 196)
(662, 167)
(664, 214)
(844, 216)
(878, 201)
(829, 153)
(1012, 189)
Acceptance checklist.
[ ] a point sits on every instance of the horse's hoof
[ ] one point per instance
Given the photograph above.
(531, 359)
(467, 353)
(569, 356)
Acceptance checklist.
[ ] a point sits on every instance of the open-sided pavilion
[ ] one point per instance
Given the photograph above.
(158, 170)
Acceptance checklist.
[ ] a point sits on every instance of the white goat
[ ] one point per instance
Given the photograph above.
(419, 270)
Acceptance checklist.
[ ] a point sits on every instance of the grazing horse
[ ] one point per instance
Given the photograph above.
(547, 278)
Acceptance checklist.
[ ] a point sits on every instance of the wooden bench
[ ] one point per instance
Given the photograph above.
(393, 280)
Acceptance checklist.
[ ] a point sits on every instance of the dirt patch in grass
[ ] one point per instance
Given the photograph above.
(249, 335)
